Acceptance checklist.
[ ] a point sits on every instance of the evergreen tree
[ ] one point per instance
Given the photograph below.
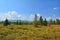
(41, 20)
(50, 21)
(17, 22)
(45, 22)
(20, 23)
(6, 22)
(54, 22)
(35, 20)
(57, 21)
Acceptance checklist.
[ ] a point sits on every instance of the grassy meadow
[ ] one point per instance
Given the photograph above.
(29, 32)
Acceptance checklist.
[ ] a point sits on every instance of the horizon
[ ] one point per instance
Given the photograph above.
(26, 9)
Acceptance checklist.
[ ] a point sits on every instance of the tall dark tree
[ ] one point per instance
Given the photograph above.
(6, 22)
(45, 22)
(41, 20)
(35, 20)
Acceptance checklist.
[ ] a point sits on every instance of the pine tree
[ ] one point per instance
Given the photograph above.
(6, 22)
(41, 20)
(45, 22)
(35, 20)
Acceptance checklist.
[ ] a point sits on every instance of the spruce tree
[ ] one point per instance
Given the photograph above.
(57, 21)
(41, 20)
(6, 22)
(50, 21)
(17, 22)
(45, 22)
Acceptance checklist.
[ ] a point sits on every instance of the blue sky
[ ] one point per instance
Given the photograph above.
(25, 9)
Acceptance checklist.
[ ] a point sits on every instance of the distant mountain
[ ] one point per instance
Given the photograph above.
(19, 20)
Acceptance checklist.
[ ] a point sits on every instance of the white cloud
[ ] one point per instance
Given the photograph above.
(59, 18)
(38, 15)
(54, 8)
(31, 17)
(48, 18)
(11, 15)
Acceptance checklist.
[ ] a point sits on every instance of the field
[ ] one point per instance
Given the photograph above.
(29, 32)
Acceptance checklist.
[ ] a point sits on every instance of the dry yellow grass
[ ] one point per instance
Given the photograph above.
(29, 32)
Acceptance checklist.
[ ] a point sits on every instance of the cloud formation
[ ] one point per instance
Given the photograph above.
(48, 18)
(31, 17)
(54, 8)
(11, 15)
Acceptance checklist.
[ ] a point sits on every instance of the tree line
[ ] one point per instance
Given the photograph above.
(44, 22)
(35, 22)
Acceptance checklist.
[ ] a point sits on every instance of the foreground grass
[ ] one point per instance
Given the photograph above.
(29, 32)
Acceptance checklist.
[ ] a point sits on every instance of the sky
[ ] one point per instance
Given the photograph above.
(26, 9)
